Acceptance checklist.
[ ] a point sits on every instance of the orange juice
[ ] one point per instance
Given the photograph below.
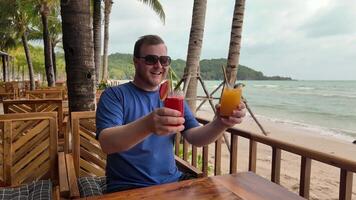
(230, 100)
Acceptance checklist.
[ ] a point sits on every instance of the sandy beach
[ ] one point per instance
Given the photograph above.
(324, 178)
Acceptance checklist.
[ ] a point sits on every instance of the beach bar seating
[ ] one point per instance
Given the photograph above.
(85, 166)
(28, 156)
(40, 105)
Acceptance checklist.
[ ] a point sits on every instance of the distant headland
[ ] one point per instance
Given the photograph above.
(121, 67)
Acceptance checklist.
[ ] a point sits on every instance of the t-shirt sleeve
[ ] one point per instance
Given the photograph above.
(109, 112)
(190, 121)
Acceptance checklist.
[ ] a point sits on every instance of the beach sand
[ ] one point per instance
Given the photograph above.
(324, 178)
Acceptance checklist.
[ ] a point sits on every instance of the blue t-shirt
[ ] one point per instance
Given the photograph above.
(151, 161)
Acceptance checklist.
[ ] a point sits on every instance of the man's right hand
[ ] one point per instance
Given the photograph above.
(165, 121)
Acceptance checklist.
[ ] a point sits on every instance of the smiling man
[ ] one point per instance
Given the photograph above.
(137, 132)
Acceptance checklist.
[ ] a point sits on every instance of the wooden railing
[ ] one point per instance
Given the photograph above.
(347, 167)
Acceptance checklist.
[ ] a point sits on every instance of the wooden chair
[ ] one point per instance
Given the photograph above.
(87, 158)
(39, 105)
(28, 148)
(44, 94)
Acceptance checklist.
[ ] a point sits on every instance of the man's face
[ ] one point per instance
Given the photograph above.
(150, 76)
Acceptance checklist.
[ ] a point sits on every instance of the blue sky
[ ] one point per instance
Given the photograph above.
(304, 39)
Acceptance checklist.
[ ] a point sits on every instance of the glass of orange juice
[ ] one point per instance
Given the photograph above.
(230, 100)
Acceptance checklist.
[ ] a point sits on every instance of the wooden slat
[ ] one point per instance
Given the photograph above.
(233, 154)
(24, 173)
(29, 157)
(217, 168)
(63, 179)
(88, 124)
(205, 160)
(74, 190)
(7, 152)
(89, 167)
(19, 127)
(276, 165)
(345, 189)
(41, 172)
(21, 152)
(252, 156)
(76, 143)
(53, 149)
(176, 145)
(194, 156)
(33, 132)
(92, 148)
(305, 171)
(86, 155)
(185, 149)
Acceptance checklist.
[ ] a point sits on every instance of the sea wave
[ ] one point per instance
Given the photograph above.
(348, 96)
(343, 134)
(266, 86)
(305, 88)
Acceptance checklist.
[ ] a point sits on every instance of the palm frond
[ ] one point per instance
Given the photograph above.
(157, 8)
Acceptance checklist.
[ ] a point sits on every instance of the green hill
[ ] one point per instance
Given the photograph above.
(121, 67)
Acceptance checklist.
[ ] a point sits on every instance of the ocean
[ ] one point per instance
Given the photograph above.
(327, 107)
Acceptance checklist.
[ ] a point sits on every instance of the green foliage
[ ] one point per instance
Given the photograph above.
(121, 67)
(199, 159)
(37, 61)
(103, 85)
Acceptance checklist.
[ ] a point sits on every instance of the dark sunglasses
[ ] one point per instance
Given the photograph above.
(153, 59)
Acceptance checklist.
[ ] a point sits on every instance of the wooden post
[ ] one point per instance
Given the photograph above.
(276, 165)
(252, 156)
(345, 190)
(217, 169)
(305, 171)
(233, 154)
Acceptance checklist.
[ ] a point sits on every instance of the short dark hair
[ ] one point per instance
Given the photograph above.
(146, 40)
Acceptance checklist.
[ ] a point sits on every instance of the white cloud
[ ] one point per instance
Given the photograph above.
(312, 39)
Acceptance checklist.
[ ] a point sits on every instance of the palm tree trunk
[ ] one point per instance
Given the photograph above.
(79, 54)
(54, 64)
(97, 38)
(235, 41)
(194, 50)
(107, 11)
(29, 61)
(4, 70)
(47, 46)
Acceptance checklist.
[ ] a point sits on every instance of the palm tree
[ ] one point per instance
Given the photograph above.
(7, 42)
(79, 52)
(97, 38)
(235, 41)
(194, 50)
(107, 11)
(20, 16)
(55, 34)
(45, 7)
(154, 4)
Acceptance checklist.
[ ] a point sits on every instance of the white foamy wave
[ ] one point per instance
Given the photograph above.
(343, 134)
(266, 86)
(305, 88)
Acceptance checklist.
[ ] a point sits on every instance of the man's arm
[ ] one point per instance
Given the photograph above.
(207, 134)
(121, 138)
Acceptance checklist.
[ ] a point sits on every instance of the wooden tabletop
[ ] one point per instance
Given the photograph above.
(246, 185)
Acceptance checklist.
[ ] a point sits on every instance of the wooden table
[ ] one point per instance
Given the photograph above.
(246, 185)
